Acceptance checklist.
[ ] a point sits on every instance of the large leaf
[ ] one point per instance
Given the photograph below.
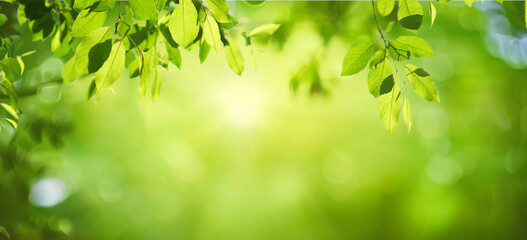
(390, 105)
(357, 59)
(211, 32)
(183, 23)
(93, 51)
(147, 67)
(234, 57)
(380, 78)
(103, 5)
(385, 7)
(11, 68)
(417, 46)
(220, 10)
(422, 83)
(86, 22)
(398, 50)
(112, 68)
(143, 9)
(410, 14)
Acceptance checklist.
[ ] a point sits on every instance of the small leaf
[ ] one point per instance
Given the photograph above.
(86, 22)
(377, 58)
(12, 123)
(220, 10)
(147, 67)
(4, 231)
(183, 23)
(126, 22)
(380, 79)
(385, 7)
(3, 19)
(433, 14)
(407, 114)
(174, 55)
(422, 83)
(234, 57)
(156, 86)
(390, 105)
(417, 46)
(82, 4)
(410, 14)
(204, 50)
(90, 92)
(10, 110)
(357, 59)
(398, 50)
(11, 68)
(264, 30)
(389, 27)
(143, 9)
(211, 32)
(112, 68)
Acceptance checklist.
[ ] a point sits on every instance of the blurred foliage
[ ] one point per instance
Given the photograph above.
(218, 157)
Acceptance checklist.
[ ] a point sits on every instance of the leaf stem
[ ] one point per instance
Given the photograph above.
(377, 24)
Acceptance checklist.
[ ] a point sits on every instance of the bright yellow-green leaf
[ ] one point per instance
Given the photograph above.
(69, 72)
(86, 22)
(398, 50)
(143, 9)
(410, 14)
(220, 10)
(211, 32)
(380, 78)
(126, 21)
(12, 123)
(264, 30)
(422, 83)
(93, 51)
(4, 231)
(433, 14)
(385, 7)
(11, 68)
(10, 110)
(417, 46)
(407, 114)
(357, 59)
(234, 57)
(183, 25)
(112, 68)
(390, 105)
(147, 67)
(82, 4)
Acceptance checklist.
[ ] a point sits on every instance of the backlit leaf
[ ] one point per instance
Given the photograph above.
(407, 114)
(112, 68)
(86, 22)
(211, 32)
(385, 7)
(357, 59)
(183, 23)
(422, 83)
(234, 57)
(410, 14)
(143, 9)
(390, 105)
(417, 46)
(220, 10)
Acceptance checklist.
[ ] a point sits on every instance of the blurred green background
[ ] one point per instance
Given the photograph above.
(219, 156)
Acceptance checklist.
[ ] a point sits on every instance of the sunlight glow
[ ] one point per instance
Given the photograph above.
(241, 104)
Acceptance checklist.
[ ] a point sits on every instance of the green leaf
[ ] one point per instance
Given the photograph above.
(69, 72)
(156, 85)
(10, 110)
(433, 14)
(264, 30)
(385, 7)
(11, 68)
(126, 22)
(398, 50)
(417, 46)
(183, 23)
(4, 231)
(174, 55)
(12, 123)
(470, 2)
(93, 51)
(389, 27)
(3, 19)
(143, 9)
(357, 59)
(82, 4)
(410, 14)
(204, 50)
(220, 10)
(407, 114)
(377, 58)
(380, 79)
(390, 105)
(147, 67)
(103, 5)
(234, 57)
(86, 22)
(111, 69)
(422, 83)
(211, 32)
